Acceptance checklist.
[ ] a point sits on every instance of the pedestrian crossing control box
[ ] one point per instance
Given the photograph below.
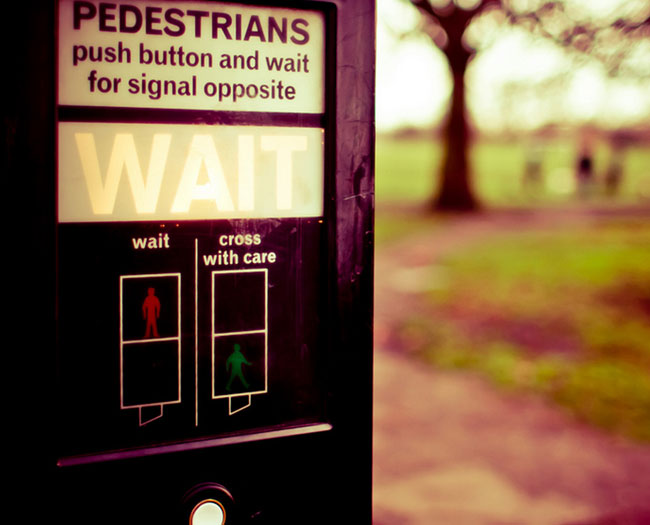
(212, 168)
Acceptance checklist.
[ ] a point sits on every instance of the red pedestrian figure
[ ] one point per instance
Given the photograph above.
(151, 312)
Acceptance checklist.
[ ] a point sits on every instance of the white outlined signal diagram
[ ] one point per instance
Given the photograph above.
(239, 336)
(150, 343)
(150, 340)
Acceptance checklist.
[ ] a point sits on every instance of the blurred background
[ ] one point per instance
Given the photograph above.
(512, 309)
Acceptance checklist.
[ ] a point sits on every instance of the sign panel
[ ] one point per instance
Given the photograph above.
(191, 55)
(170, 332)
(192, 256)
(135, 172)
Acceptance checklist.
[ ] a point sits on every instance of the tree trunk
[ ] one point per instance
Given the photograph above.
(455, 190)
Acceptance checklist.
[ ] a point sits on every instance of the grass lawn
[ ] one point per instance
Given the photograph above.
(405, 172)
(563, 313)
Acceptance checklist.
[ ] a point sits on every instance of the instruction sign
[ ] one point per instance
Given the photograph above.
(192, 263)
(191, 55)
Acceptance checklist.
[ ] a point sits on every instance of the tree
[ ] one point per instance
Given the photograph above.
(447, 22)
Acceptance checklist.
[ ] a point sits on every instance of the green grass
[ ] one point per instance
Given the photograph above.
(565, 314)
(394, 224)
(405, 168)
(406, 171)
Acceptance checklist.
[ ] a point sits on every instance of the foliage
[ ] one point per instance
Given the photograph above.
(602, 31)
(460, 27)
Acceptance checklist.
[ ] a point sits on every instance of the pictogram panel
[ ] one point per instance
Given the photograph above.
(240, 336)
(150, 344)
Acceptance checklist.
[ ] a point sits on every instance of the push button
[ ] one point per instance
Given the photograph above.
(208, 512)
(209, 504)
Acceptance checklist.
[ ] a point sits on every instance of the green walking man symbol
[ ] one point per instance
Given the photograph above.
(234, 366)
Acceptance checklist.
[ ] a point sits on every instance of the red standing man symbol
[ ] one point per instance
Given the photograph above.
(151, 312)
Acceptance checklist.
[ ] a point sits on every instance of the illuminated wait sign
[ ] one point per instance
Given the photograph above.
(136, 172)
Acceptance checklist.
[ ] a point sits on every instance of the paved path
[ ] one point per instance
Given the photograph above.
(449, 449)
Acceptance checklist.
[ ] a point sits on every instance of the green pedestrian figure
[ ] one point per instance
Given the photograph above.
(234, 366)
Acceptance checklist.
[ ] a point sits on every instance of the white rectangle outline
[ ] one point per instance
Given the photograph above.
(264, 331)
(123, 343)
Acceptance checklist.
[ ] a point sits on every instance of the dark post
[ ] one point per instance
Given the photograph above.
(194, 285)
